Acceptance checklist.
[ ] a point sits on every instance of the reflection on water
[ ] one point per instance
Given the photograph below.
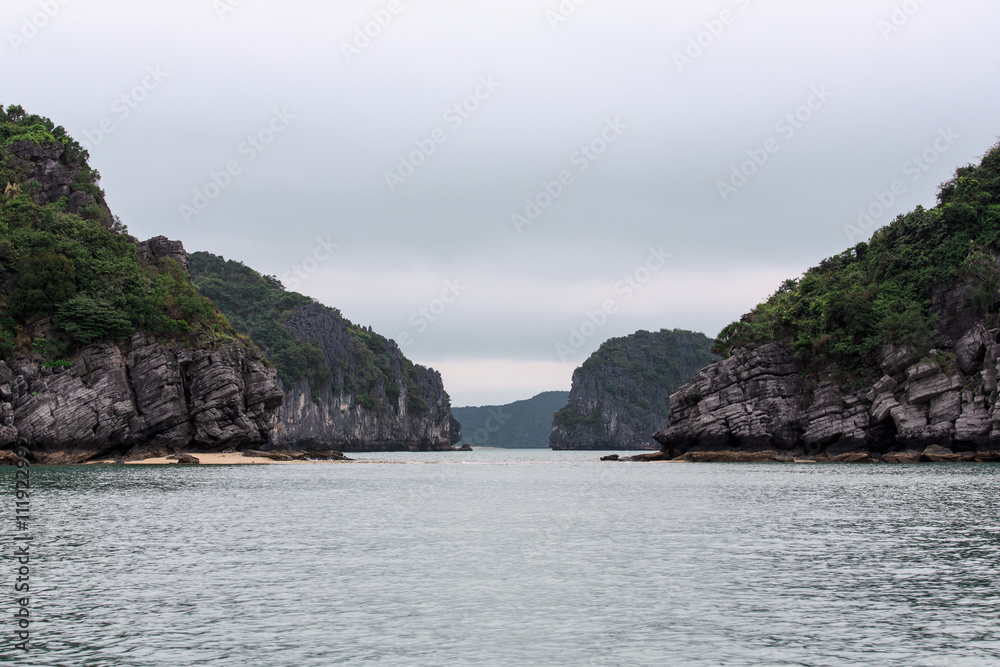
(515, 558)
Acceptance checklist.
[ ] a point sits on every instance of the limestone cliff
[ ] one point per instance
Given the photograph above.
(345, 386)
(621, 394)
(137, 399)
(106, 348)
(406, 408)
(886, 352)
(762, 405)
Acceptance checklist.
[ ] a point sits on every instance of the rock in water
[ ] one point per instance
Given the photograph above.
(117, 390)
(939, 454)
(887, 351)
(184, 459)
(271, 455)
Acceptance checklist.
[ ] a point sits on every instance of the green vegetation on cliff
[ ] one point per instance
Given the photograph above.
(627, 368)
(621, 393)
(80, 271)
(260, 307)
(17, 125)
(847, 308)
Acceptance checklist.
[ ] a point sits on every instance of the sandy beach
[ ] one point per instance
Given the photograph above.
(227, 458)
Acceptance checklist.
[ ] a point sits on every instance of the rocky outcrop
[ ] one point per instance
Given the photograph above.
(146, 397)
(160, 247)
(126, 399)
(621, 394)
(139, 399)
(297, 455)
(56, 175)
(346, 387)
(332, 415)
(760, 404)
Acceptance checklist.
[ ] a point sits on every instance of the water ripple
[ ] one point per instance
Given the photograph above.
(522, 558)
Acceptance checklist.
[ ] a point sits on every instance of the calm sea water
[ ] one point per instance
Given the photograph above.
(512, 558)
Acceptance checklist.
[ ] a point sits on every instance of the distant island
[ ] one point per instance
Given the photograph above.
(621, 393)
(519, 425)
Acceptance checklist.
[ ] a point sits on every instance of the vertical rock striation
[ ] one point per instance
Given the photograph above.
(331, 416)
(346, 387)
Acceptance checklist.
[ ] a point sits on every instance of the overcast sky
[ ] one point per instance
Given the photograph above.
(381, 173)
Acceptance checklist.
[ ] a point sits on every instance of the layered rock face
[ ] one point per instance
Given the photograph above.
(127, 399)
(332, 417)
(160, 247)
(140, 399)
(621, 394)
(760, 405)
